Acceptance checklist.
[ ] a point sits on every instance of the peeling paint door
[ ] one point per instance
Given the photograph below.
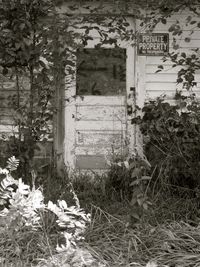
(96, 123)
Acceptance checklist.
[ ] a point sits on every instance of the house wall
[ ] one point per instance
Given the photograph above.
(148, 83)
(9, 116)
(164, 82)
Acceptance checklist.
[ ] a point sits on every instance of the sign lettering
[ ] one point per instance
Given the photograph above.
(154, 44)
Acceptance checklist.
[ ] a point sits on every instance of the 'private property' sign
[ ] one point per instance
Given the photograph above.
(154, 44)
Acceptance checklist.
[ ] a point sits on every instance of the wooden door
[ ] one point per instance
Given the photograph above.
(96, 122)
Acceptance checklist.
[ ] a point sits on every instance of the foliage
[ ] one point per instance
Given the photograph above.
(26, 218)
(172, 135)
(129, 180)
(23, 45)
(187, 61)
(38, 45)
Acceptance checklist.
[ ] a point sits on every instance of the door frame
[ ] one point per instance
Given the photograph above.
(70, 99)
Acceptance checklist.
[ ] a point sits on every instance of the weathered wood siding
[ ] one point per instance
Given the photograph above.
(9, 116)
(7, 94)
(91, 129)
(164, 82)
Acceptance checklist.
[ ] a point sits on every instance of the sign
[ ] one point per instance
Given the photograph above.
(154, 44)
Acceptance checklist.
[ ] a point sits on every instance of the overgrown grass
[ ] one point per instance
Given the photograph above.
(24, 247)
(168, 234)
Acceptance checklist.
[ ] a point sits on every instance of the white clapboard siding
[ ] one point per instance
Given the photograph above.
(8, 129)
(6, 120)
(165, 77)
(164, 82)
(154, 90)
(164, 27)
(185, 34)
(167, 95)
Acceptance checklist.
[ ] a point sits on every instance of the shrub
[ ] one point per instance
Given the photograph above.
(172, 137)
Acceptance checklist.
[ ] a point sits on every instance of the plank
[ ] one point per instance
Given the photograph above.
(8, 129)
(109, 151)
(169, 94)
(165, 77)
(195, 34)
(98, 138)
(5, 111)
(6, 120)
(100, 125)
(7, 95)
(168, 69)
(99, 101)
(165, 27)
(167, 86)
(108, 113)
(91, 162)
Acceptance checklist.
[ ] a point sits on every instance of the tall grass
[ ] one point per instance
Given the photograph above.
(167, 234)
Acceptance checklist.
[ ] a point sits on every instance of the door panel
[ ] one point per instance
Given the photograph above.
(110, 113)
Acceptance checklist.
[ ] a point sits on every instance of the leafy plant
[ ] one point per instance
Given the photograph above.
(38, 45)
(130, 181)
(172, 135)
(24, 214)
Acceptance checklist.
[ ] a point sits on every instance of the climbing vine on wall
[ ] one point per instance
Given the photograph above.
(37, 43)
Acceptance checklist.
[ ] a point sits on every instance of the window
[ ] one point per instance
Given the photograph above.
(101, 71)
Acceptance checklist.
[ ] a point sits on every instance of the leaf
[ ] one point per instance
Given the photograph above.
(135, 215)
(187, 39)
(145, 206)
(163, 20)
(12, 163)
(132, 165)
(158, 71)
(189, 18)
(176, 46)
(146, 177)
(136, 172)
(160, 68)
(136, 182)
(183, 55)
(126, 164)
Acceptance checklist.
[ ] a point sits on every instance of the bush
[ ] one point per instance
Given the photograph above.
(31, 229)
(172, 137)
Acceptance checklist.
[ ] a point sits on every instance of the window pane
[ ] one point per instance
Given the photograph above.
(101, 71)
